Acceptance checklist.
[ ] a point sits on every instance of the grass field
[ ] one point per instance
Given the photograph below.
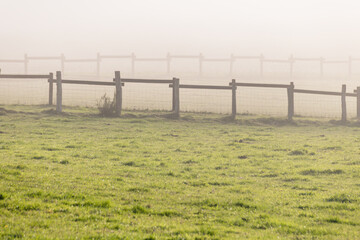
(147, 176)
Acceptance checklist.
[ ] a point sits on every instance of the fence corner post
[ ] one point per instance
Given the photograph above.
(290, 93)
(51, 88)
(233, 103)
(118, 93)
(176, 96)
(58, 92)
(343, 103)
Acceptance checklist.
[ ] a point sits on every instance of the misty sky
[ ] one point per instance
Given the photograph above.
(80, 28)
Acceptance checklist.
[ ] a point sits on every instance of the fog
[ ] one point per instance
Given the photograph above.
(153, 28)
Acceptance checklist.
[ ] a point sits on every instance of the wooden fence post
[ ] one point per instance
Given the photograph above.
(98, 60)
(290, 93)
(168, 59)
(26, 62)
(358, 103)
(173, 95)
(233, 103)
(133, 63)
(343, 103)
(118, 93)
(58, 92)
(51, 88)
(176, 96)
(62, 57)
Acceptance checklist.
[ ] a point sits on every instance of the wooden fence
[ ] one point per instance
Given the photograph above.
(174, 83)
(167, 60)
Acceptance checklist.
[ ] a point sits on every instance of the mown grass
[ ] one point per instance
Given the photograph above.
(147, 176)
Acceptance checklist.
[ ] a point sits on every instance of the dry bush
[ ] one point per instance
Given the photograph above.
(106, 106)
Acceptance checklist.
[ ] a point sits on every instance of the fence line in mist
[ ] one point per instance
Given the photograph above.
(174, 83)
(200, 58)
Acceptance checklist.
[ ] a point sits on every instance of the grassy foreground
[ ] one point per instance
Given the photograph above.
(145, 176)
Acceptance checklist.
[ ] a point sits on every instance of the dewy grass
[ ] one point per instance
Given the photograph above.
(146, 176)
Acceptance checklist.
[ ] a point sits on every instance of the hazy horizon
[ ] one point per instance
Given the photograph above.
(153, 28)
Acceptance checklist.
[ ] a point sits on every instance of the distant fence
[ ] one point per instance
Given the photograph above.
(174, 83)
(167, 60)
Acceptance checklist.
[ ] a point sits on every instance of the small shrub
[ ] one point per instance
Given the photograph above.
(106, 106)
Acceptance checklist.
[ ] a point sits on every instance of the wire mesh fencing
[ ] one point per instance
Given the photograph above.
(152, 96)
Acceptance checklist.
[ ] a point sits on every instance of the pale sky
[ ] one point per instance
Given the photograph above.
(277, 28)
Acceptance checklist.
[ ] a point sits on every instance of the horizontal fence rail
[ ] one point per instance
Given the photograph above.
(24, 76)
(168, 60)
(133, 80)
(174, 83)
(323, 92)
(202, 86)
(266, 85)
(84, 82)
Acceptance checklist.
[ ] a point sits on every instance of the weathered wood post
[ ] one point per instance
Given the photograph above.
(26, 62)
(62, 59)
(173, 95)
(233, 102)
(201, 59)
(168, 60)
(58, 92)
(133, 57)
(343, 103)
(98, 60)
(261, 65)
(51, 88)
(176, 96)
(290, 93)
(118, 94)
(358, 103)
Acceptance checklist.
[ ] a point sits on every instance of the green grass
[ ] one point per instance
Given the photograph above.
(147, 176)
